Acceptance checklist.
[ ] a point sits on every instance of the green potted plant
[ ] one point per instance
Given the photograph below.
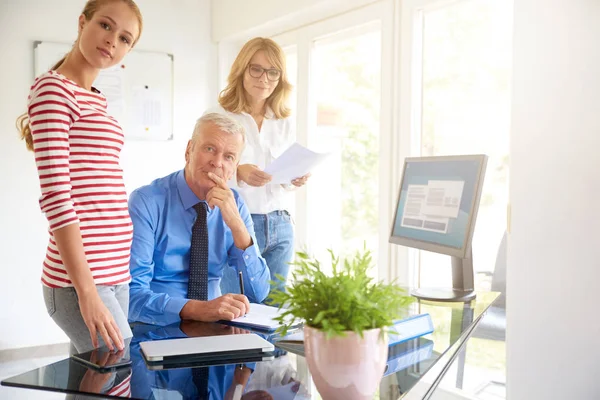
(345, 315)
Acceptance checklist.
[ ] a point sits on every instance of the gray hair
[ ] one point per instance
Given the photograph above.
(224, 122)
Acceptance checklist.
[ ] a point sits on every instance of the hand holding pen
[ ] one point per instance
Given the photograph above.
(241, 279)
(227, 307)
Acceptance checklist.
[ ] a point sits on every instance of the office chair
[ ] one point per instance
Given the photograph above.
(493, 324)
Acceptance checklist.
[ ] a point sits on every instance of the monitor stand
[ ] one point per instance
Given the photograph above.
(462, 283)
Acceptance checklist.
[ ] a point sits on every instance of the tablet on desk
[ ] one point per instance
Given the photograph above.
(103, 359)
(205, 347)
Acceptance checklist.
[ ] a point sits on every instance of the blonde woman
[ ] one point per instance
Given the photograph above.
(256, 95)
(77, 146)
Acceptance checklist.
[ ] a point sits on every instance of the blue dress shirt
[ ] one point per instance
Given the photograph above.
(163, 216)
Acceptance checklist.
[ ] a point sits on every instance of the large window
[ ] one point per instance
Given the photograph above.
(291, 60)
(465, 103)
(343, 195)
(393, 79)
(460, 57)
(338, 108)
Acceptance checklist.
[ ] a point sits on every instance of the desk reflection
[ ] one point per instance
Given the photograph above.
(249, 381)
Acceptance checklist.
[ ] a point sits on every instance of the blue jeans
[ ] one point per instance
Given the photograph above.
(275, 238)
(62, 305)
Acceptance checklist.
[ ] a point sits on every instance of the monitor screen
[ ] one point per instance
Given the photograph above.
(438, 202)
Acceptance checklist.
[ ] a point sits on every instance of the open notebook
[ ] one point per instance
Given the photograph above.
(260, 317)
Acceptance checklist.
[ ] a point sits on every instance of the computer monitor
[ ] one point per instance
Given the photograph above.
(436, 211)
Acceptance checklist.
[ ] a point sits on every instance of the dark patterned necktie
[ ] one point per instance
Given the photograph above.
(200, 378)
(198, 281)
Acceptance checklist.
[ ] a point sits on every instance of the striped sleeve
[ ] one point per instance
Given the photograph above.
(122, 389)
(52, 111)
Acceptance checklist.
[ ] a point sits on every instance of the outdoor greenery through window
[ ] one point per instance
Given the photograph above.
(467, 56)
(346, 73)
(466, 97)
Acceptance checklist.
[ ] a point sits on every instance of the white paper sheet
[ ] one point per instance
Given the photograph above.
(148, 108)
(111, 82)
(293, 163)
(283, 392)
(260, 316)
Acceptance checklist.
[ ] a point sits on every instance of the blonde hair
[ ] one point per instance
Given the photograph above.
(233, 98)
(88, 12)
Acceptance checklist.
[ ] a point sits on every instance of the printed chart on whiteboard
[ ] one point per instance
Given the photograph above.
(139, 90)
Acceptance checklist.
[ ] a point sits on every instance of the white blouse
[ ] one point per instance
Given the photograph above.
(275, 136)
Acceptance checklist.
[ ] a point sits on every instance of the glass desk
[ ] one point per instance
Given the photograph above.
(285, 376)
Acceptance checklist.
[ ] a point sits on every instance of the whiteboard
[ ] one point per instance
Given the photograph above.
(139, 90)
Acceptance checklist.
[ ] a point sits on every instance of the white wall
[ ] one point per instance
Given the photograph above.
(180, 27)
(236, 19)
(553, 328)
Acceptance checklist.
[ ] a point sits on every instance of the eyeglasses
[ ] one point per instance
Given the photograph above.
(256, 71)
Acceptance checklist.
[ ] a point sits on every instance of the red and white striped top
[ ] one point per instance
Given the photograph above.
(77, 146)
(122, 389)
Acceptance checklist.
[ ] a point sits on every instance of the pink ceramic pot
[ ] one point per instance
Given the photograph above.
(348, 367)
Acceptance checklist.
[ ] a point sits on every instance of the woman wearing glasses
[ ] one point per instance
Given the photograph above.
(256, 95)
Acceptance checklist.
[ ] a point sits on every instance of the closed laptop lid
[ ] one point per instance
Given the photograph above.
(226, 345)
(207, 362)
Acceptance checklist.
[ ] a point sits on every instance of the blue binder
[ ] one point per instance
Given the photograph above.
(408, 353)
(410, 328)
(403, 330)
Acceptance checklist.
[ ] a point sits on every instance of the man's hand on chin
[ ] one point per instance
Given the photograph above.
(221, 196)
